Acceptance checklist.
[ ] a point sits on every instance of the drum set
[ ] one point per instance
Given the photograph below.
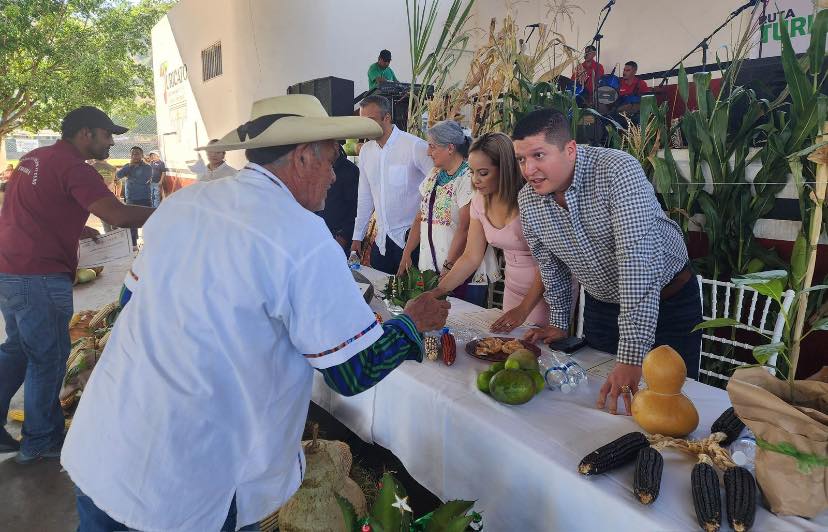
(606, 92)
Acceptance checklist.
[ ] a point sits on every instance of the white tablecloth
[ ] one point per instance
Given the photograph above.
(520, 462)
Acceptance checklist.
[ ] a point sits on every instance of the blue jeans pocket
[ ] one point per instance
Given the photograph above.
(13, 293)
(59, 288)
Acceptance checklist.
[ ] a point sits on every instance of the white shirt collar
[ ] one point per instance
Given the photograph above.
(395, 133)
(259, 172)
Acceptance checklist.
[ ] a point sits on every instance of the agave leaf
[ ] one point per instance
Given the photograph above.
(447, 513)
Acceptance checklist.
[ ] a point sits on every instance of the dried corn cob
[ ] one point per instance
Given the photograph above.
(740, 498)
(432, 347)
(448, 347)
(647, 479)
(614, 454)
(707, 498)
(76, 317)
(730, 424)
(81, 345)
(99, 318)
(104, 339)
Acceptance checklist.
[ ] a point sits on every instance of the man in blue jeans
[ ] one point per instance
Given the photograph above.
(592, 214)
(159, 171)
(138, 177)
(43, 217)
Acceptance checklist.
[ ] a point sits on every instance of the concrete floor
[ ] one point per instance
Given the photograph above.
(38, 497)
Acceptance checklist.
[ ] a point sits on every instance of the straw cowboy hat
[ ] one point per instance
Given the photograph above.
(290, 120)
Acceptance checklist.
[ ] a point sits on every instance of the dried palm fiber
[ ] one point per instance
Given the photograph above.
(314, 508)
(709, 447)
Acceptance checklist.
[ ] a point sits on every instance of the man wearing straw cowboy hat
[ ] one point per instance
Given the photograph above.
(200, 409)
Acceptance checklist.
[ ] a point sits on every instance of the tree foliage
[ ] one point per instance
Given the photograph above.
(56, 55)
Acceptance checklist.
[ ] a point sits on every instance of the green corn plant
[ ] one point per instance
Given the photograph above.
(720, 135)
(791, 136)
(532, 96)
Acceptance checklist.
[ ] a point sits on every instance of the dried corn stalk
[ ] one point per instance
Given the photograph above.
(492, 86)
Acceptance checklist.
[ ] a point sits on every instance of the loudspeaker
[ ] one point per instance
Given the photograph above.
(336, 94)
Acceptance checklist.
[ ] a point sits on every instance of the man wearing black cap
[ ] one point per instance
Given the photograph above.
(47, 204)
(380, 72)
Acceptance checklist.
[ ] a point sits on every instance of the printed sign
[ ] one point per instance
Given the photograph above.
(796, 15)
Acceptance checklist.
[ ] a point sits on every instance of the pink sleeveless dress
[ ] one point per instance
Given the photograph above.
(521, 267)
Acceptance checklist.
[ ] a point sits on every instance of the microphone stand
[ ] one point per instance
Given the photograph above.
(596, 41)
(705, 43)
(763, 18)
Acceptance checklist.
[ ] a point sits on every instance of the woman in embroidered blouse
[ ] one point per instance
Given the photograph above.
(495, 221)
(441, 226)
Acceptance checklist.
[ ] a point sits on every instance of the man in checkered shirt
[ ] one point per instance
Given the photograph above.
(591, 213)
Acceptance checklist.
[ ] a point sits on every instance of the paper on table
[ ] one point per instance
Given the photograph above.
(602, 370)
(479, 320)
(111, 247)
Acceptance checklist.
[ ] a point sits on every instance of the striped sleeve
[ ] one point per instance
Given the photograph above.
(400, 341)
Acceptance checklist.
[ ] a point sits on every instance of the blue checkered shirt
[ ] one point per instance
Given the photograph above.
(613, 237)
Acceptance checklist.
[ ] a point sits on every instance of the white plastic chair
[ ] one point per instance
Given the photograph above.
(733, 306)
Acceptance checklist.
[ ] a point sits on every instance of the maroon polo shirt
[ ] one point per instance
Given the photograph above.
(45, 210)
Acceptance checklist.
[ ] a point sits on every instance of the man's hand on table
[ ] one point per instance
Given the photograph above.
(547, 334)
(622, 377)
(427, 312)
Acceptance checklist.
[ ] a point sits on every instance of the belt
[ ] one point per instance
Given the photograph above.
(677, 283)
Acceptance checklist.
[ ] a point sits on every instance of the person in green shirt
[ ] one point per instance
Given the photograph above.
(381, 71)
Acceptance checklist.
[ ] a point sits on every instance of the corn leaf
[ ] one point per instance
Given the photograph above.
(799, 260)
(816, 50)
(794, 75)
(683, 86)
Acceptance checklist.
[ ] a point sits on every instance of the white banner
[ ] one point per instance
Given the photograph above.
(796, 15)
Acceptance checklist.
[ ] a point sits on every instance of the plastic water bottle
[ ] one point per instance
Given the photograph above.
(743, 451)
(554, 373)
(574, 372)
(353, 261)
(577, 375)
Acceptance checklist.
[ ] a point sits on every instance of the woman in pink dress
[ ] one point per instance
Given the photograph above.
(495, 220)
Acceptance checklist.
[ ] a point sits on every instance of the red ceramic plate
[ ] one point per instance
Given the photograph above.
(500, 356)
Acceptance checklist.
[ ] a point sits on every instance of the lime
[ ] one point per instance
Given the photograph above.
(525, 358)
(512, 364)
(483, 381)
(540, 384)
(497, 366)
